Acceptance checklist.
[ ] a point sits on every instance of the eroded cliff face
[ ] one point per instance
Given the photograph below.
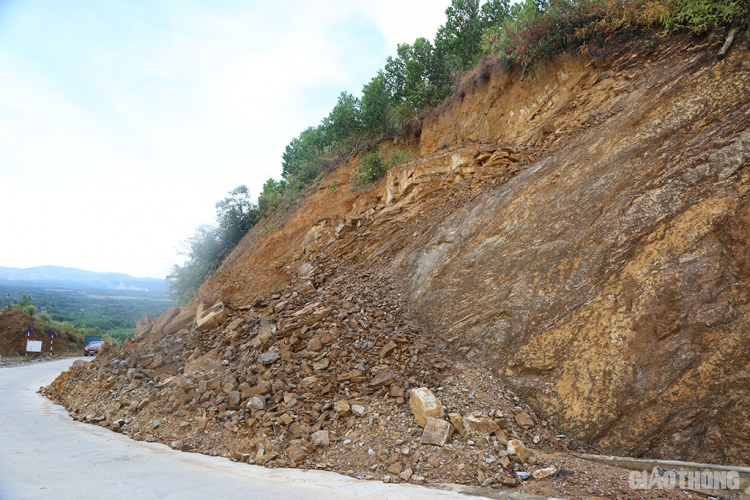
(609, 280)
(583, 234)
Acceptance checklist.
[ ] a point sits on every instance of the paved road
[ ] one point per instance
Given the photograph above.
(46, 454)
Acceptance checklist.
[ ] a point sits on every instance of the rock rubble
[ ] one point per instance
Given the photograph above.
(328, 373)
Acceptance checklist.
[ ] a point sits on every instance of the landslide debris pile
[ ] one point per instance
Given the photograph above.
(327, 373)
(331, 373)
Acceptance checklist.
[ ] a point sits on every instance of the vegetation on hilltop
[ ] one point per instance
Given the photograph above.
(536, 31)
(424, 73)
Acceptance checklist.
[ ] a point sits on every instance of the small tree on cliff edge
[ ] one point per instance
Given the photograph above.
(211, 244)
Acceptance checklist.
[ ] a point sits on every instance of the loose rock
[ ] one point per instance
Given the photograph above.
(424, 404)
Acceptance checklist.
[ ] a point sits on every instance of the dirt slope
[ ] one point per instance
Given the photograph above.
(13, 324)
(581, 237)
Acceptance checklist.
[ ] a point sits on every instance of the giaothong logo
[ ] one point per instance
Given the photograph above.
(684, 479)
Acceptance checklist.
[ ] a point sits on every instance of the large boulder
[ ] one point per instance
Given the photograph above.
(206, 363)
(424, 405)
(165, 318)
(143, 327)
(211, 318)
(436, 432)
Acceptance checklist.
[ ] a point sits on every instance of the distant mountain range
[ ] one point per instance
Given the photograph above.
(49, 275)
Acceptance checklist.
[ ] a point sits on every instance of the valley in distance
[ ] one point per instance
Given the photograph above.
(106, 304)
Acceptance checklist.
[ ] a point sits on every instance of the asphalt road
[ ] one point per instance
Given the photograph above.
(46, 454)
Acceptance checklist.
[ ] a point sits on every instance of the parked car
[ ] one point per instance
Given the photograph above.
(93, 348)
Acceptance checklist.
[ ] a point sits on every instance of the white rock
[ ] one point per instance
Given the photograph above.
(424, 404)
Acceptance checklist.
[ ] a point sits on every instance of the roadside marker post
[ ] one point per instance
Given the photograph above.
(29, 332)
(52, 336)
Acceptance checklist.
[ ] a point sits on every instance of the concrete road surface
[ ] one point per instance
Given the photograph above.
(46, 454)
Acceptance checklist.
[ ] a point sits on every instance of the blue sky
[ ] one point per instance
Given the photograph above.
(122, 123)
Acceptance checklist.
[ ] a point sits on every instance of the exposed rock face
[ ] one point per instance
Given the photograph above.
(609, 280)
